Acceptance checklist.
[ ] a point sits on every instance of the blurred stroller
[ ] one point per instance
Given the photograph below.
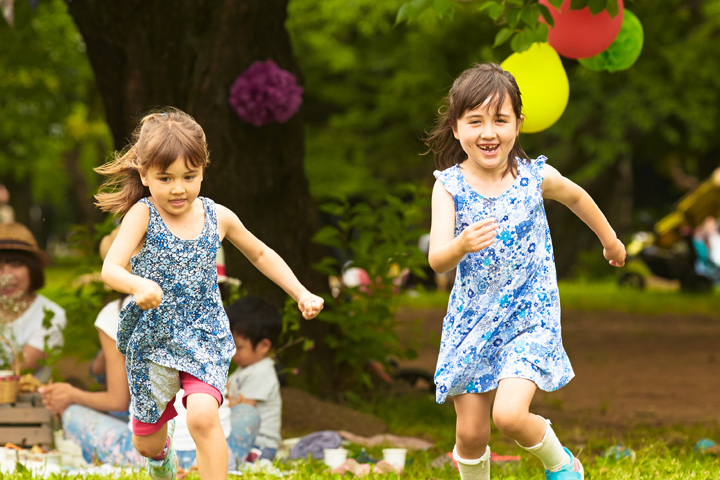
(674, 250)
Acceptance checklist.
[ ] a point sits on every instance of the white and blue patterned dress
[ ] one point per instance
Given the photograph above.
(503, 318)
(189, 331)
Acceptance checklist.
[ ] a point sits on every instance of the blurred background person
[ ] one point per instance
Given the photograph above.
(29, 320)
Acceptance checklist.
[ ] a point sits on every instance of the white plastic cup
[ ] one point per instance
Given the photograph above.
(334, 457)
(395, 457)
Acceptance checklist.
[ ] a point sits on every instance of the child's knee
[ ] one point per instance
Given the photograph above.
(149, 445)
(473, 436)
(509, 420)
(203, 421)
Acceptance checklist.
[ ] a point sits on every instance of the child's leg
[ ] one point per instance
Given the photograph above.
(472, 435)
(511, 414)
(203, 421)
(204, 424)
(150, 439)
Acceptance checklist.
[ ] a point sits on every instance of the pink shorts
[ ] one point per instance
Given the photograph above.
(190, 385)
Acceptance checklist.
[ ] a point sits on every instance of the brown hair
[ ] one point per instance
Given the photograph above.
(470, 90)
(31, 261)
(160, 139)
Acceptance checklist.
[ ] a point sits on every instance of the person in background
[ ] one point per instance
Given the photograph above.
(256, 326)
(32, 322)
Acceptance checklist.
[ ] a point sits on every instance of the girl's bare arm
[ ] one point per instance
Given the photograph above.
(565, 191)
(267, 261)
(148, 294)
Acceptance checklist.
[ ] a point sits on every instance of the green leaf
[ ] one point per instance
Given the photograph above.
(531, 14)
(596, 6)
(541, 32)
(495, 10)
(556, 3)
(502, 36)
(519, 3)
(487, 5)
(522, 41)
(402, 14)
(513, 17)
(411, 10)
(441, 7)
(328, 236)
(547, 15)
(612, 7)
(578, 4)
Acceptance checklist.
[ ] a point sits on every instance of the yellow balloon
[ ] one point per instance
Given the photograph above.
(543, 85)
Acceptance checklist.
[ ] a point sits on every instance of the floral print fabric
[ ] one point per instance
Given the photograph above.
(189, 331)
(503, 317)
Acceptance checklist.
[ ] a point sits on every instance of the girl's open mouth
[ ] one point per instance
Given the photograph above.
(489, 149)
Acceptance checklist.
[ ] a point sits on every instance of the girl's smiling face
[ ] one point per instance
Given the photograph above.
(488, 135)
(176, 188)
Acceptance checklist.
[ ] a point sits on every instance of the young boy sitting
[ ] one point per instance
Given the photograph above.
(256, 326)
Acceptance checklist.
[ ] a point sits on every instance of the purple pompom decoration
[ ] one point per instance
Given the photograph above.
(264, 93)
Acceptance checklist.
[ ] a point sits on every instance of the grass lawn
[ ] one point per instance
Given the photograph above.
(600, 295)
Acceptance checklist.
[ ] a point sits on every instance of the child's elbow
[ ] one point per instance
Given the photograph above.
(435, 264)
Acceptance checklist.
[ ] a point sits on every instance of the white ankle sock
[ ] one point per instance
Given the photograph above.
(549, 450)
(476, 469)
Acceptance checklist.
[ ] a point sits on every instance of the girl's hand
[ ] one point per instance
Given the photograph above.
(310, 305)
(615, 254)
(148, 294)
(57, 396)
(479, 235)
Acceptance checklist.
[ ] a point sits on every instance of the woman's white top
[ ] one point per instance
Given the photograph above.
(28, 328)
(107, 321)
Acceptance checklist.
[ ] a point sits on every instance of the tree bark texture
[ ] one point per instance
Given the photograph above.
(187, 53)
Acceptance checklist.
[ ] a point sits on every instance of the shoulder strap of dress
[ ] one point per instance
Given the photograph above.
(211, 213)
(450, 178)
(153, 211)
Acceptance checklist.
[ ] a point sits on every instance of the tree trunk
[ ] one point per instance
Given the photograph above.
(187, 54)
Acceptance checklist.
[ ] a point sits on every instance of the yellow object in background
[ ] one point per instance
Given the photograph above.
(543, 85)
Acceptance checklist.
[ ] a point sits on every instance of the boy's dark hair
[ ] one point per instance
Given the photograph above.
(255, 319)
(32, 262)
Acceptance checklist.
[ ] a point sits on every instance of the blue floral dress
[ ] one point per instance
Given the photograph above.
(189, 331)
(503, 318)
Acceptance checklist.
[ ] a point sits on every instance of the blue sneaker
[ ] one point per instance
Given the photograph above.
(165, 469)
(571, 471)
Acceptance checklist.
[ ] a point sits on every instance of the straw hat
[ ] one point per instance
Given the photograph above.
(16, 236)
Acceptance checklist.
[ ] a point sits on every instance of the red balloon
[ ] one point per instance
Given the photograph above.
(579, 33)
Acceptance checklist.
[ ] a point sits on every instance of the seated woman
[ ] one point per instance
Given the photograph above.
(27, 319)
(92, 419)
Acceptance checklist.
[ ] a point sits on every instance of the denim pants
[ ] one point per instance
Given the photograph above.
(107, 439)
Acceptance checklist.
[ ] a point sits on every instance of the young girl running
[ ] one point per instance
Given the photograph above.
(502, 328)
(175, 333)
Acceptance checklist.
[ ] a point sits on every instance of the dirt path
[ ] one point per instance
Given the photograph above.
(630, 369)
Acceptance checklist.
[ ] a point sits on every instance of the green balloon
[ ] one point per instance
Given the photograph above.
(623, 52)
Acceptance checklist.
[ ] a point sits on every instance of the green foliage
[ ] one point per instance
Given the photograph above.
(382, 240)
(519, 19)
(52, 121)
(372, 89)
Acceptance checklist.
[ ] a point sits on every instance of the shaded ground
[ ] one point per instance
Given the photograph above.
(630, 369)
